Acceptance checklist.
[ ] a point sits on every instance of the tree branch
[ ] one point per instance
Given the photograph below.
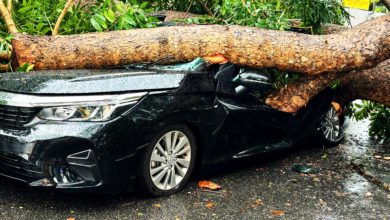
(9, 6)
(354, 85)
(386, 3)
(207, 9)
(61, 17)
(8, 18)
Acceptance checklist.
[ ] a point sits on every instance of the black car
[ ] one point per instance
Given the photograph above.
(143, 127)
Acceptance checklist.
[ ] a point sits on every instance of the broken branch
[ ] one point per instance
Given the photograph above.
(9, 6)
(8, 19)
(61, 17)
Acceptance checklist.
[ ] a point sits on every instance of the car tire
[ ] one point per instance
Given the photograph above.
(168, 161)
(331, 127)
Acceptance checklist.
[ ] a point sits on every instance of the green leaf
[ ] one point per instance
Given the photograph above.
(101, 20)
(110, 15)
(25, 68)
(143, 5)
(96, 25)
(130, 20)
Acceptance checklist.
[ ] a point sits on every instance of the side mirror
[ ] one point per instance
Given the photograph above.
(254, 80)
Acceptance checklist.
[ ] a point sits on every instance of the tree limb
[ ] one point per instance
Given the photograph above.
(207, 9)
(9, 6)
(386, 3)
(61, 17)
(8, 19)
(353, 85)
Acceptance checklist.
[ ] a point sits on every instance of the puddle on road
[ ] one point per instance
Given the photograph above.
(360, 148)
(357, 184)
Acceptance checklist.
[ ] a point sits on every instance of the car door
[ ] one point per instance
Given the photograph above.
(249, 126)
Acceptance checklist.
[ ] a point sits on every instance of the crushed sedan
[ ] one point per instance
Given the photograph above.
(144, 127)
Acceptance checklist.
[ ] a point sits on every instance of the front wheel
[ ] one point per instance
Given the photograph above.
(331, 127)
(168, 162)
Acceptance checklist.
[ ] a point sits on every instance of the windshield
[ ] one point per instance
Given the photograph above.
(196, 65)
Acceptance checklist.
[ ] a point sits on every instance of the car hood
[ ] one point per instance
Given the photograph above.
(89, 81)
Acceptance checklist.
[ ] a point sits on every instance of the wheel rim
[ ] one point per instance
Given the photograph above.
(170, 160)
(330, 126)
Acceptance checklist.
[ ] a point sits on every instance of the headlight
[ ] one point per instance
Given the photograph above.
(73, 113)
(84, 108)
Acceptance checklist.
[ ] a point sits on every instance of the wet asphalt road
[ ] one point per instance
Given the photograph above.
(262, 189)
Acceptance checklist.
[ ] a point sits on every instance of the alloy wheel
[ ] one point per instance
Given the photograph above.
(170, 160)
(330, 126)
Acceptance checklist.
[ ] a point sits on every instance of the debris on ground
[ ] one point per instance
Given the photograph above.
(204, 184)
(210, 205)
(305, 169)
(360, 170)
(369, 194)
(277, 213)
(157, 205)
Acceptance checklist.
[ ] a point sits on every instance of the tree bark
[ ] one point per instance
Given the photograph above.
(352, 49)
(371, 84)
(9, 6)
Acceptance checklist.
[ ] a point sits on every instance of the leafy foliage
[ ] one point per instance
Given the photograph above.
(315, 13)
(379, 116)
(40, 16)
(270, 14)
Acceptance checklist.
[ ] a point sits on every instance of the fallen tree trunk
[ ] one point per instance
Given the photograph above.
(371, 84)
(352, 49)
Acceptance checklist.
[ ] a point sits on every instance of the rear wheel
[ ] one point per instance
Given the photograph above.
(168, 161)
(331, 127)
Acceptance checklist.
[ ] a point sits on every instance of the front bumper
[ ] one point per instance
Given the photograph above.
(69, 156)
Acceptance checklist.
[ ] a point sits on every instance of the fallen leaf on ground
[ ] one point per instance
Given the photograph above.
(322, 202)
(209, 185)
(339, 194)
(258, 202)
(210, 205)
(377, 157)
(71, 218)
(316, 179)
(277, 213)
(386, 158)
(368, 194)
(157, 205)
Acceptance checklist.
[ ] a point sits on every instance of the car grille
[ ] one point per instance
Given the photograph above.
(18, 167)
(12, 116)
